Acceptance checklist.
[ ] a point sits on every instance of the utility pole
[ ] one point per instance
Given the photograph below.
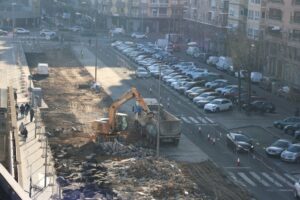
(251, 63)
(96, 53)
(46, 156)
(158, 125)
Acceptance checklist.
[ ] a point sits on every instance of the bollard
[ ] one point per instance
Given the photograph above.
(238, 162)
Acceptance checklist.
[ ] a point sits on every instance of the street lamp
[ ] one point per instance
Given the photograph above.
(13, 4)
(251, 62)
(158, 125)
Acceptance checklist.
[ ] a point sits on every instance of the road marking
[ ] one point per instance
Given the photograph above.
(258, 178)
(271, 179)
(201, 119)
(245, 177)
(235, 179)
(290, 177)
(186, 120)
(193, 119)
(210, 120)
(283, 179)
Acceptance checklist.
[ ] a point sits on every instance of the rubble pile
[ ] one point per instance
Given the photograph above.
(150, 178)
(118, 149)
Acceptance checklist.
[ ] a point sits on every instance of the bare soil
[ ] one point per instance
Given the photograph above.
(70, 111)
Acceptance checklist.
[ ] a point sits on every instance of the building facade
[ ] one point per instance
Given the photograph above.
(255, 18)
(206, 23)
(23, 12)
(237, 14)
(282, 36)
(142, 15)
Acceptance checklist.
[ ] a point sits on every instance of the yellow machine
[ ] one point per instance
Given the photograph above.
(116, 123)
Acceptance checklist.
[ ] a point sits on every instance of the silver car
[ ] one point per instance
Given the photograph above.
(142, 73)
(292, 153)
(278, 147)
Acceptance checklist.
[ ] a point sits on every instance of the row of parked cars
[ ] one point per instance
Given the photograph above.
(205, 89)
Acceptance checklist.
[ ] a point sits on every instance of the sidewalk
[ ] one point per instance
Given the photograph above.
(14, 69)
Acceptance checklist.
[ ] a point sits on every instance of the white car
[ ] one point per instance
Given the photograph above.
(75, 28)
(297, 189)
(141, 72)
(22, 31)
(217, 82)
(117, 31)
(212, 60)
(193, 51)
(138, 35)
(222, 90)
(218, 105)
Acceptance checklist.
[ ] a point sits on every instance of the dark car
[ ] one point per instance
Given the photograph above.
(287, 121)
(245, 98)
(239, 142)
(278, 147)
(291, 129)
(260, 106)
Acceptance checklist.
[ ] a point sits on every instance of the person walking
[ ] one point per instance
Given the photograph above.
(22, 110)
(27, 108)
(15, 96)
(24, 133)
(21, 128)
(17, 110)
(31, 114)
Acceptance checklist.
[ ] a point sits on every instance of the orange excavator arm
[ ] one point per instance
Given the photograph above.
(132, 93)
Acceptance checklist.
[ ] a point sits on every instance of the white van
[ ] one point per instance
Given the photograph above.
(42, 69)
(256, 77)
(224, 63)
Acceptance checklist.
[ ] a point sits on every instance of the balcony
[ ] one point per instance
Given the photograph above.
(159, 5)
(276, 1)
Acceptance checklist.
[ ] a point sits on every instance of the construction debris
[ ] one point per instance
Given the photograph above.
(150, 178)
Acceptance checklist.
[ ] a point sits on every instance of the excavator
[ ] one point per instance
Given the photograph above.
(116, 123)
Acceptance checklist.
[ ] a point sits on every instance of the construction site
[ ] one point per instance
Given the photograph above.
(92, 165)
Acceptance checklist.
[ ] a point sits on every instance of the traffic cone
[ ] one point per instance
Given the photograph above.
(213, 141)
(238, 162)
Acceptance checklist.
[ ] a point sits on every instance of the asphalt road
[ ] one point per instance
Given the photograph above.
(264, 177)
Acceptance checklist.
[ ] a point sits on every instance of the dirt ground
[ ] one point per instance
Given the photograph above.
(70, 111)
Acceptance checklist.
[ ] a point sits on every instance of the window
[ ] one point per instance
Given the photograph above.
(231, 12)
(256, 15)
(250, 14)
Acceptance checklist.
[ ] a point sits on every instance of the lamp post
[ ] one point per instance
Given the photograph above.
(251, 62)
(13, 17)
(158, 125)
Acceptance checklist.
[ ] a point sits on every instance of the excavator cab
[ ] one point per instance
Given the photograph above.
(121, 122)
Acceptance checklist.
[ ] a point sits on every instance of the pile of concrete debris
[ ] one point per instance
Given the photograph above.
(116, 148)
(150, 178)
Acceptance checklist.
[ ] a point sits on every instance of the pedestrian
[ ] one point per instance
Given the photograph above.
(150, 90)
(297, 112)
(15, 96)
(21, 128)
(27, 108)
(81, 53)
(199, 130)
(31, 114)
(22, 110)
(24, 133)
(17, 110)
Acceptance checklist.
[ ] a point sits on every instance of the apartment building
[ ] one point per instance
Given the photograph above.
(206, 23)
(142, 15)
(282, 36)
(22, 12)
(237, 14)
(255, 19)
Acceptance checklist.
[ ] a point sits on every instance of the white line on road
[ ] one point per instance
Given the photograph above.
(210, 120)
(201, 119)
(245, 178)
(271, 179)
(290, 177)
(279, 177)
(259, 179)
(193, 119)
(235, 179)
(186, 120)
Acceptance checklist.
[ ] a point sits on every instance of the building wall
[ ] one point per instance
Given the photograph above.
(237, 13)
(282, 34)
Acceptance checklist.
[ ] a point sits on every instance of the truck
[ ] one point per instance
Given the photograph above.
(168, 125)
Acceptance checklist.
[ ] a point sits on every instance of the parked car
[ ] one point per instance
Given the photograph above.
(278, 147)
(194, 94)
(138, 35)
(291, 154)
(204, 95)
(212, 60)
(193, 51)
(3, 33)
(218, 105)
(22, 31)
(256, 77)
(75, 28)
(296, 189)
(239, 142)
(222, 90)
(216, 83)
(260, 106)
(291, 129)
(201, 103)
(142, 73)
(224, 63)
(287, 121)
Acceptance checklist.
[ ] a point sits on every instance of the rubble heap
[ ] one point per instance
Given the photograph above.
(118, 149)
(150, 178)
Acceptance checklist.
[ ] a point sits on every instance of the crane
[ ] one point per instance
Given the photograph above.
(107, 126)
